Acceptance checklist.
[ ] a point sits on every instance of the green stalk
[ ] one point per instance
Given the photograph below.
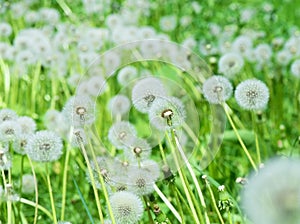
(174, 190)
(193, 175)
(64, 187)
(239, 137)
(184, 185)
(214, 201)
(103, 186)
(31, 203)
(83, 150)
(51, 195)
(36, 191)
(167, 203)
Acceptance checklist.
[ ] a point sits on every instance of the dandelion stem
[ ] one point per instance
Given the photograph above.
(175, 191)
(214, 201)
(51, 195)
(239, 137)
(167, 202)
(103, 185)
(31, 203)
(193, 175)
(36, 191)
(64, 189)
(184, 184)
(92, 180)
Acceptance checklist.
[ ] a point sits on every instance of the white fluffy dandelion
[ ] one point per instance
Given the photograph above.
(28, 184)
(27, 124)
(79, 110)
(138, 149)
(119, 105)
(217, 89)
(126, 207)
(121, 133)
(9, 131)
(273, 195)
(166, 113)
(145, 92)
(295, 68)
(168, 23)
(44, 146)
(230, 64)
(140, 182)
(7, 114)
(252, 94)
(126, 75)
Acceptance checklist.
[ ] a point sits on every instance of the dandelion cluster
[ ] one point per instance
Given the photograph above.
(107, 107)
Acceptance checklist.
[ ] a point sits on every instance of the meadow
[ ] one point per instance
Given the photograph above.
(143, 111)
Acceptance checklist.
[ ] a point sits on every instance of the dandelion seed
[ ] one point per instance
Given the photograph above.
(252, 94)
(9, 131)
(295, 68)
(166, 113)
(7, 114)
(145, 92)
(44, 146)
(230, 64)
(121, 133)
(79, 110)
(126, 207)
(119, 105)
(217, 89)
(273, 195)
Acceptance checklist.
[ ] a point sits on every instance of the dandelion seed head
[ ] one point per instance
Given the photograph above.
(7, 114)
(295, 68)
(126, 207)
(119, 105)
(140, 182)
(20, 143)
(79, 110)
(28, 184)
(9, 130)
(145, 92)
(167, 112)
(44, 146)
(217, 89)
(121, 133)
(126, 75)
(252, 94)
(230, 64)
(273, 195)
(27, 124)
(138, 149)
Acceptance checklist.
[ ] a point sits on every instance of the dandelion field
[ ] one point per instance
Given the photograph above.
(149, 112)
